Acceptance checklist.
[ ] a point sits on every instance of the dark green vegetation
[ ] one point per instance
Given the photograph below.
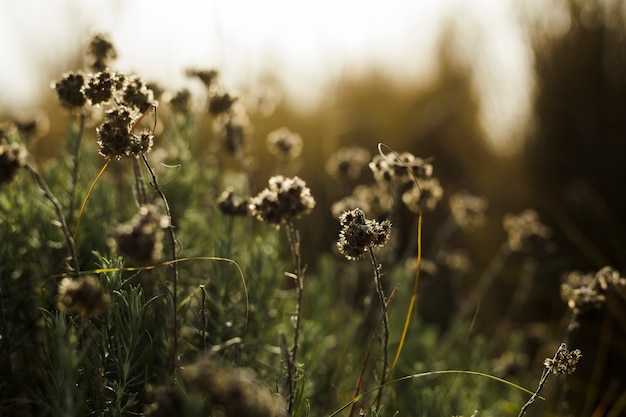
(537, 260)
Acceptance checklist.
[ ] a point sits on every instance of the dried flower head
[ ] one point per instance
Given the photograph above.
(82, 295)
(427, 194)
(233, 391)
(284, 199)
(232, 128)
(232, 205)
(116, 138)
(372, 199)
(180, 102)
(608, 277)
(141, 239)
(359, 234)
(12, 158)
(221, 102)
(586, 291)
(468, 210)
(401, 168)
(101, 86)
(100, 51)
(136, 94)
(207, 76)
(523, 228)
(564, 362)
(69, 89)
(347, 163)
(284, 144)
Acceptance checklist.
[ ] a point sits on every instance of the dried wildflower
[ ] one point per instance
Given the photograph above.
(468, 210)
(233, 391)
(231, 205)
(141, 239)
(585, 291)
(221, 102)
(284, 144)
(12, 158)
(564, 362)
(32, 125)
(69, 89)
(402, 168)
(82, 295)
(232, 128)
(181, 101)
(115, 136)
(608, 277)
(208, 77)
(372, 199)
(100, 51)
(101, 86)
(359, 234)
(347, 163)
(522, 228)
(427, 195)
(136, 94)
(156, 88)
(283, 200)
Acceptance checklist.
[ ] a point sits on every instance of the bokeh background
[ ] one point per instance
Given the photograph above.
(522, 102)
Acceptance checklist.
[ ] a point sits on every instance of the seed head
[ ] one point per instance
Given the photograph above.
(82, 295)
(101, 86)
(468, 210)
(427, 195)
(564, 362)
(136, 94)
(115, 136)
(347, 163)
(180, 102)
(523, 228)
(284, 199)
(232, 205)
(373, 199)
(207, 76)
(12, 158)
(402, 168)
(221, 102)
(359, 234)
(100, 51)
(69, 89)
(284, 144)
(141, 239)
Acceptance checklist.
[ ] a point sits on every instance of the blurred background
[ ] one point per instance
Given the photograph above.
(521, 102)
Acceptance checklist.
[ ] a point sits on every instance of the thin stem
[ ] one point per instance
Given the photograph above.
(544, 378)
(294, 242)
(383, 306)
(140, 184)
(203, 316)
(172, 235)
(74, 154)
(74, 268)
(6, 341)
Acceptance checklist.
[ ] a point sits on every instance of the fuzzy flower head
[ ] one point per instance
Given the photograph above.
(141, 239)
(69, 89)
(82, 295)
(101, 86)
(347, 163)
(136, 94)
(116, 138)
(524, 228)
(564, 361)
(231, 205)
(468, 210)
(100, 52)
(180, 101)
(232, 128)
(284, 144)
(373, 199)
(12, 158)
(208, 77)
(427, 195)
(284, 199)
(401, 168)
(359, 234)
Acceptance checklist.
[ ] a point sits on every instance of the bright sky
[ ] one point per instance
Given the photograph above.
(306, 43)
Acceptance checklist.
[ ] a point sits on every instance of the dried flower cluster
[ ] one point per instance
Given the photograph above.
(468, 210)
(82, 295)
(12, 158)
(523, 228)
(359, 234)
(116, 137)
(372, 199)
(231, 205)
(564, 362)
(426, 194)
(284, 144)
(100, 52)
(347, 163)
(141, 239)
(586, 291)
(284, 199)
(400, 168)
